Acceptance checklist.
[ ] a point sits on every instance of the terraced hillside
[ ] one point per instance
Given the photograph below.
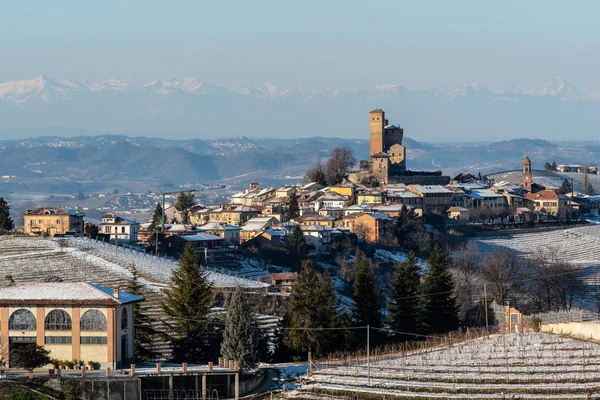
(526, 366)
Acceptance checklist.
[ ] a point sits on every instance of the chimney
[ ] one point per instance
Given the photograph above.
(116, 291)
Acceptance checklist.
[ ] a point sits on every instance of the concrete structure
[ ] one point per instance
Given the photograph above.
(119, 229)
(53, 221)
(74, 321)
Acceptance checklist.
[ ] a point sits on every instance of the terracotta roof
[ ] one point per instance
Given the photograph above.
(284, 276)
(377, 110)
(46, 211)
(542, 195)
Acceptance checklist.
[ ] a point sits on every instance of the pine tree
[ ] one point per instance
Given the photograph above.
(365, 310)
(440, 314)
(313, 304)
(554, 166)
(184, 202)
(565, 187)
(547, 166)
(188, 305)
(242, 335)
(296, 241)
(155, 221)
(404, 306)
(6, 222)
(293, 209)
(144, 325)
(589, 189)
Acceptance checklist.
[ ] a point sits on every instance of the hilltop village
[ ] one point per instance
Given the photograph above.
(359, 237)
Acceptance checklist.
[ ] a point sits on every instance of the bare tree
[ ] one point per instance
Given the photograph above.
(502, 273)
(341, 159)
(316, 173)
(465, 269)
(553, 283)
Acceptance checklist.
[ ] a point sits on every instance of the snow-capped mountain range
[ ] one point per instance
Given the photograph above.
(52, 89)
(187, 107)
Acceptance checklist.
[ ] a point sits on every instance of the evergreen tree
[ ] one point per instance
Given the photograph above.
(155, 221)
(440, 314)
(144, 325)
(6, 222)
(184, 202)
(565, 187)
(404, 307)
(296, 241)
(365, 310)
(313, 304)
(554, 166)
(242, 335)
(293, 209)
(589, 189)
(188, 304)
(547, 166)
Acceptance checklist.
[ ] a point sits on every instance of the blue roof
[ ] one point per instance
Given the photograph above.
(124, 297)
(76, 213)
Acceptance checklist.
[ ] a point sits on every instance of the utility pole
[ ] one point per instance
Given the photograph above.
(368, 358)
(486, 307)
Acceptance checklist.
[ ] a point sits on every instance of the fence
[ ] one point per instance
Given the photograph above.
(555, 317)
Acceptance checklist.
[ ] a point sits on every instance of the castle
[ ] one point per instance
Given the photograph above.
(387, 162)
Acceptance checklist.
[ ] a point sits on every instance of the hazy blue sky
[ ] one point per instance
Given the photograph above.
(314, 44)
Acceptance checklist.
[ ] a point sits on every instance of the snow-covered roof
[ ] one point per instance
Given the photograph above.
(391, 127)
(201, 237)
(215, 226)
(484, 194)
(431, 189)
(63, 293)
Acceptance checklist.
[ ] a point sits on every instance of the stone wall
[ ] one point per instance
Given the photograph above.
(584, 330)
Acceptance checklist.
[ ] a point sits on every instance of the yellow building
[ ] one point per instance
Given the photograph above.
(73, 320)
(53, 221)
(370, 227)
(344, 190)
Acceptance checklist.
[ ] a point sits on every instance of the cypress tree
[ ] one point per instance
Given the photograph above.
(242, 335)
(565, 187)
(6, 222)
(188, 304)
(144, 324)
(440, 314)
(404, 306)
(365, 310)
(313, 304)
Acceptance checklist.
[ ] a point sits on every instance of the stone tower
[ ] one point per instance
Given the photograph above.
(527, 180)
(376, 125)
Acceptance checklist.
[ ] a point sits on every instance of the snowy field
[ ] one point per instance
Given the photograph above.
(528, 366)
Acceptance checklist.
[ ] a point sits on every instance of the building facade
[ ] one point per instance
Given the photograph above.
(119, 229)
(53, 221)
(73, 320)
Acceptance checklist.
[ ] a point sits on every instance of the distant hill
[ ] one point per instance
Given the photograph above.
(66, 165)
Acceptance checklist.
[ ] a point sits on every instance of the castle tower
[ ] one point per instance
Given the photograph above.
(527, 180)
(376, 128)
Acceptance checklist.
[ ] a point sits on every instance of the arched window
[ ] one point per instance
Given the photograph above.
(93, 320)
(58, 320)
(124, 319)
(22, 320)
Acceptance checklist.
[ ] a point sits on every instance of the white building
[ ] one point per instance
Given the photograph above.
(120, 229)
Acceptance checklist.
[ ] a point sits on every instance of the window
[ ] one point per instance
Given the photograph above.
(58, 320)
(124, 319)
(93, 320)
(122, 229)
(58, 340)
(31, 222)
(93, 340)
(22, 320)
(58, 222)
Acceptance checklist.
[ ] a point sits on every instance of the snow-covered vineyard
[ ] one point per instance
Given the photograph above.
(527, 366)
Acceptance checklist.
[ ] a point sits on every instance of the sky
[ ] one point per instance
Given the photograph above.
(312, 44)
